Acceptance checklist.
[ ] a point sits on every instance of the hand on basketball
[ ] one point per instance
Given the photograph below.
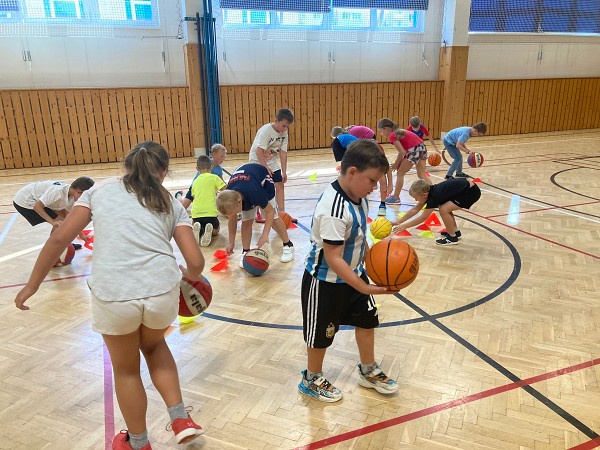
(398, 228)
(23, 295)
(377, 290)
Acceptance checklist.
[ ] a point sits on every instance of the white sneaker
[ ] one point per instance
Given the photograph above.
(288, 254)
(242, 260)
(196, 230)
(207, 236)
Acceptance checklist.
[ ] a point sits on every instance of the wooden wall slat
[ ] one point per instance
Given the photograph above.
(73, 126)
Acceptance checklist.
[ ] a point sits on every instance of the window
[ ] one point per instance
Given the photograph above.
(535, 16)
(93, 13)
(303, 20)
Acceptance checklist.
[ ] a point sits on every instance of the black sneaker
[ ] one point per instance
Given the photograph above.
(447, 240)
(461, 175)
(449, 177)
(77, 246)
(458, 234)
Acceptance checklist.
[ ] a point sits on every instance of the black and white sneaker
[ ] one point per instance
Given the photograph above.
(461, 175)
(457, 233)
(447, 240)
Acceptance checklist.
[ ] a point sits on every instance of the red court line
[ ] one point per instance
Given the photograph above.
(536, 236)
(7, 286)
(545, 209)
(587, 445)
(448, 405)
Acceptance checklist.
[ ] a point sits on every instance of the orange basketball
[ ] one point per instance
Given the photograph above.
(392, 263)
(434, 159)
(287, 219)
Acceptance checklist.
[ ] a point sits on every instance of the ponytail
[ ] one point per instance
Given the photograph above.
(388, 123)
(145, 167)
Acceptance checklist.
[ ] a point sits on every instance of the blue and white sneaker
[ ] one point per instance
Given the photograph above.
(377, 380)
(382, 210)
(319, 388)
(391, 200)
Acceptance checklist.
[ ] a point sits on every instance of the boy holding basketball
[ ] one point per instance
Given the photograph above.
(455, 141)
(335, 287)
(204, 207)
(249, 187)
(448, 196)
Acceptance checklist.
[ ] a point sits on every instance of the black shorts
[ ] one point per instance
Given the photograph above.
(326, 306)
(32, 217)
(277, 177)
(338, 150)
(214, 221)
(468, 197)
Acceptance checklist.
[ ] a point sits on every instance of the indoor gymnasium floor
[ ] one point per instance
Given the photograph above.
(495, 345)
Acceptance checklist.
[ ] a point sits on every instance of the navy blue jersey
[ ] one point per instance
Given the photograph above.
(254, 183)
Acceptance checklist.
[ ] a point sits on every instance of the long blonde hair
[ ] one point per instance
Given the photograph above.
(389, 123)
(145, 166)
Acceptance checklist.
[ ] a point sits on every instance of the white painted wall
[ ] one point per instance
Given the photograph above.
(135, 58)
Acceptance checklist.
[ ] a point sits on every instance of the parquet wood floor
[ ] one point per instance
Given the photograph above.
(496, 345)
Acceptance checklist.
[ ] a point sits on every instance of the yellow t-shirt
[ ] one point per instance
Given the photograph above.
(204, 191)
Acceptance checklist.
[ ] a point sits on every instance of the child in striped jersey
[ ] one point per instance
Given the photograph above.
(335, 287)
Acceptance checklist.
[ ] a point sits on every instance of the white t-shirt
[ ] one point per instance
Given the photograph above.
(272, 142)
(133, 256)
(53, 194)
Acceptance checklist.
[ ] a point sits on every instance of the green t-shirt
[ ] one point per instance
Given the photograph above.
(204, 191)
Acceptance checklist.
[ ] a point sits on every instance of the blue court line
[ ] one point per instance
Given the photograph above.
(513, 212)
(8, 226)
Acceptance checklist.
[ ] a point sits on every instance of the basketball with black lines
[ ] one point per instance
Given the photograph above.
(392, 263)
(475, 159)
(381, 228)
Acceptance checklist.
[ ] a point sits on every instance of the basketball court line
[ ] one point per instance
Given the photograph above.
(452, 404)
(7, 227)
(544, 209)
(20, 253)
(558, 185)
(587, 445)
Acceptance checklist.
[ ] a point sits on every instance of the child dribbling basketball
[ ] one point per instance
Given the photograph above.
(132, 307)
(448, 196)
(335, 287)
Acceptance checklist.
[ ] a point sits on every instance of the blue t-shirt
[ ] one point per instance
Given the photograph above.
(345, 139)
(461, 134)
(254, 183)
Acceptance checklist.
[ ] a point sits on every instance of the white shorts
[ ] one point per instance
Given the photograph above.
(249, 215)
(124, 317)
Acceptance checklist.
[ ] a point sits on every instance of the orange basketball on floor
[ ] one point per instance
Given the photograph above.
(392, 263)
(287, 219)
(434, 159)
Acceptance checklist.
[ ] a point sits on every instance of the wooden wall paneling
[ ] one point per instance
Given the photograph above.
(187, 147)
(178, 149)
(5, 142)
(20, 129)
(502, 107)
(537, 105)
(582, 103)
(79, 115)
(144, 99)
(248, 131)
(169, 113)
(162, 120)
(39, 128)
(63, 113)
(303, 125)
(155, 122)
(235, 125)
(562, 100)
(596, 104)
(113, 109)
(323, 131)
(225, 122)
(313, 123)
(48, 126)
(522, 104)
(374, 103)
(29, 128)
(551, 105)
(126, 141)
(101, 152)
(367, 116)
(94, 148)
(593, 106)
(57, 129)
(576, 102)
(548, 105)
(252, 125)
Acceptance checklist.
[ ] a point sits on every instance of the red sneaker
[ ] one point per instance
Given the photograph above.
(121, 442)
(259, 217)
(186, 430)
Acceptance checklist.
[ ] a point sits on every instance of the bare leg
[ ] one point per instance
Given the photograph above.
(247, 233)
(448, 217)
(365, 339)
(315, 359)
(125, 356)
(405, 166)
(161, 365)
(280, 196)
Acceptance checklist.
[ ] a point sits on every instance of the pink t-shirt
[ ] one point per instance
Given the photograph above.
(409, 140)
(361, 132)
